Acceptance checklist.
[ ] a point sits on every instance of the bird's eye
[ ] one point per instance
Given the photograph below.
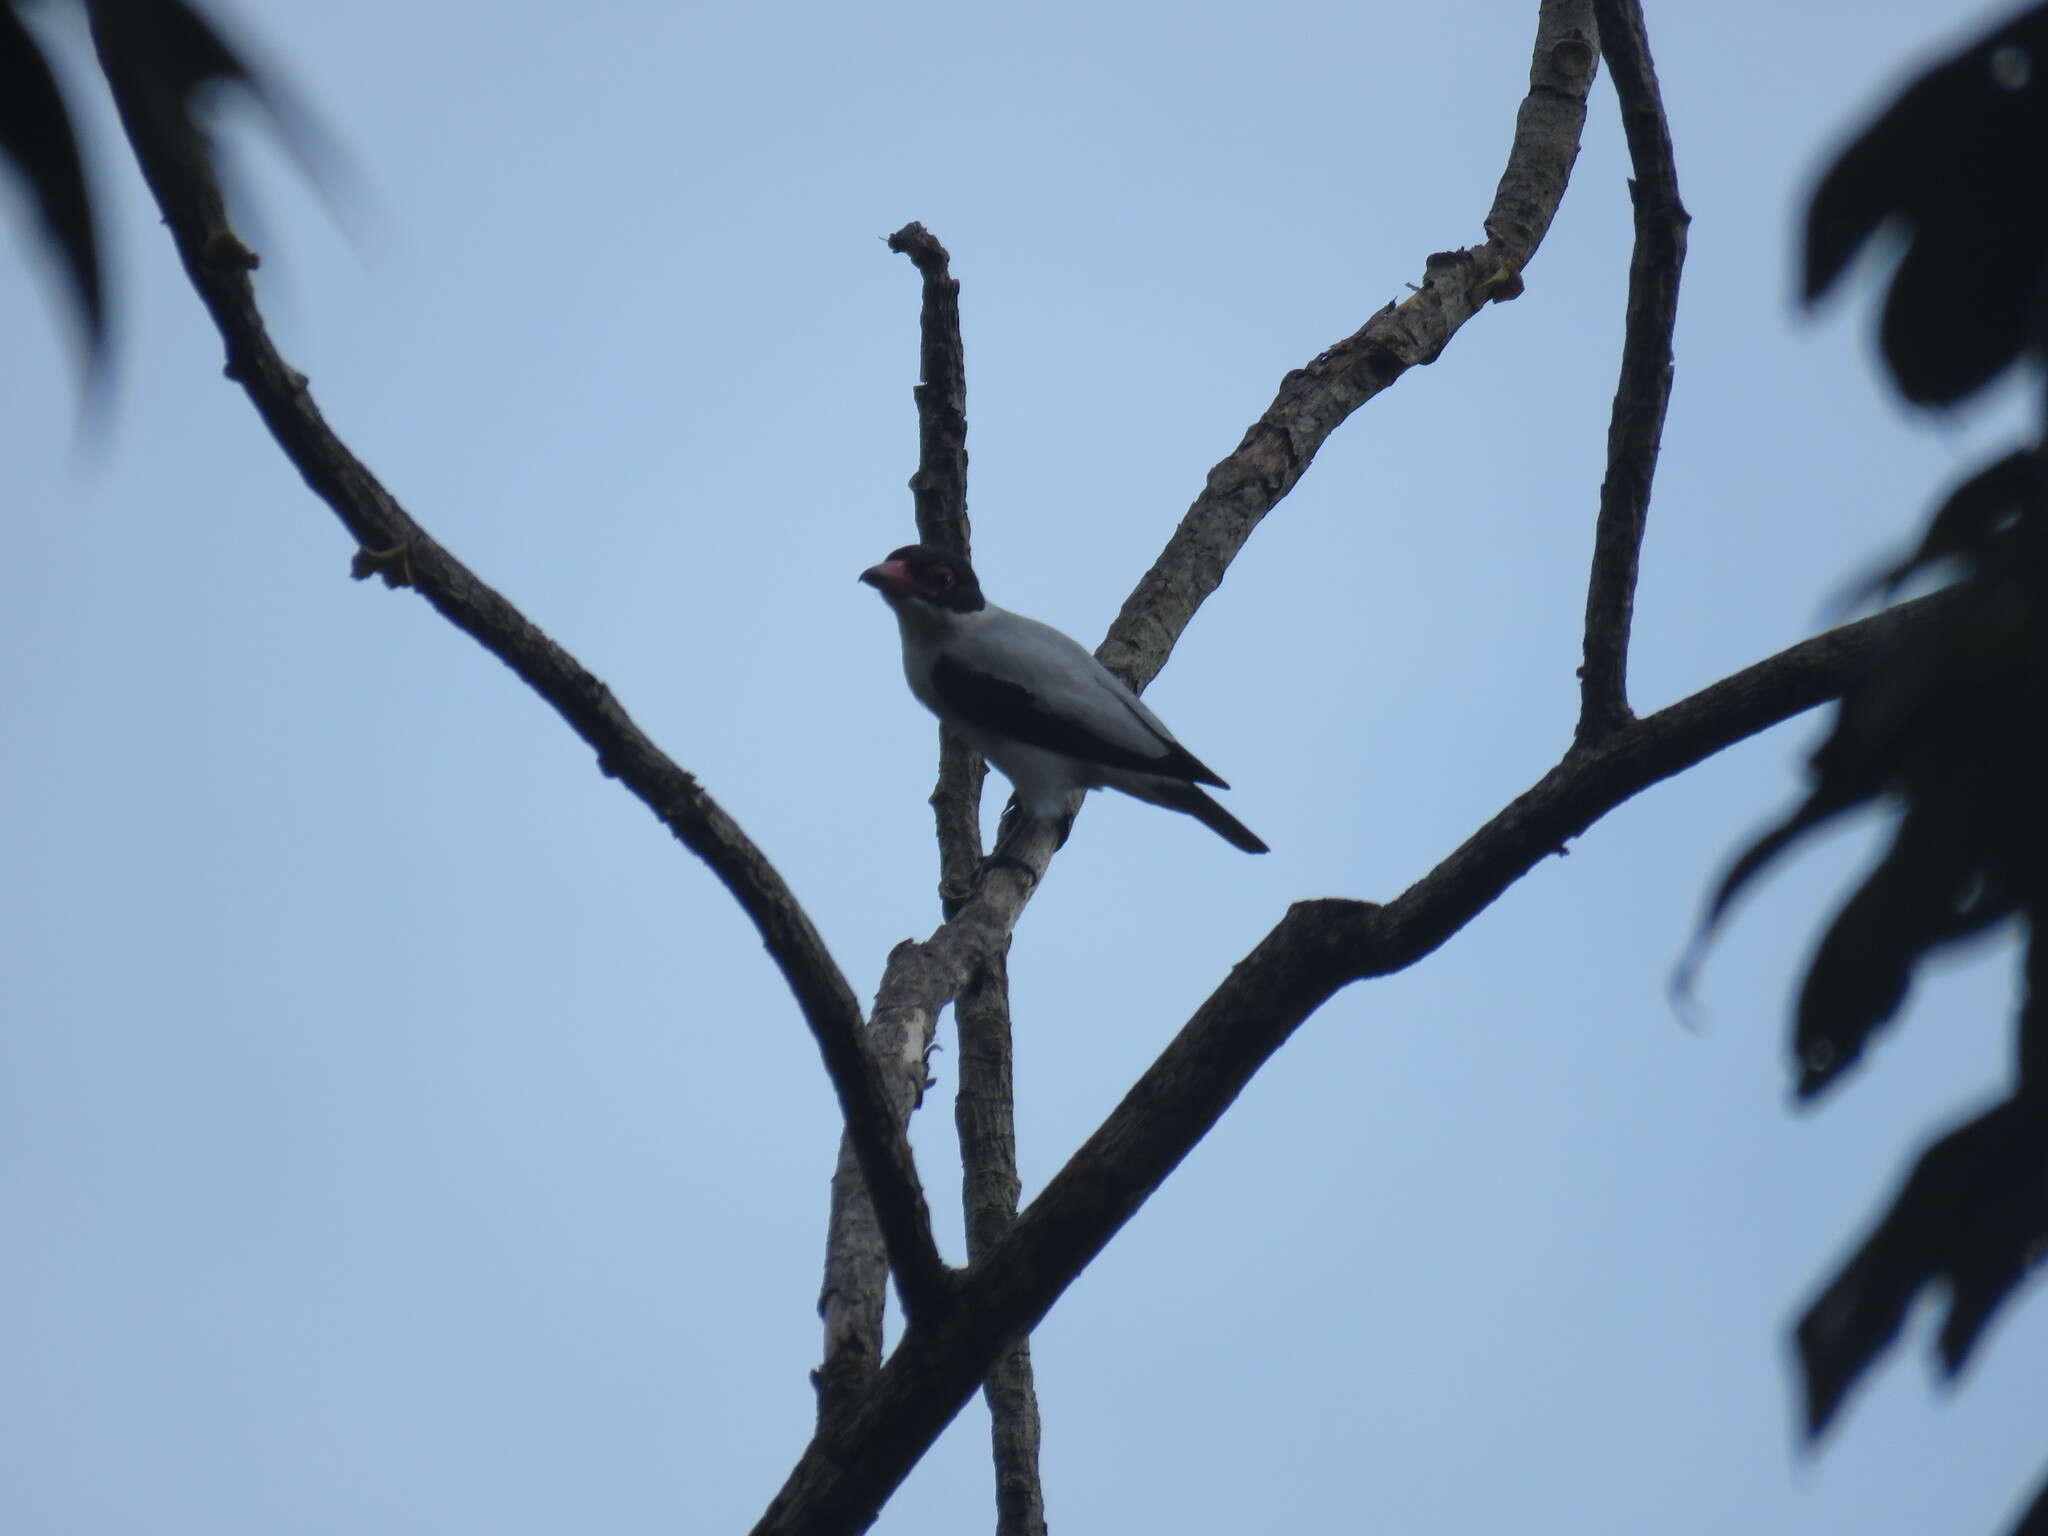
(940, 577)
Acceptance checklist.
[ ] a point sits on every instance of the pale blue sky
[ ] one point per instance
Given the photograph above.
(399, 1133)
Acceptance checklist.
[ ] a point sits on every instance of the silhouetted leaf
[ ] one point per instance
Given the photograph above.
(162, 50)
(1975, 511)
(180, 53)
(35, 133)
(1957, 160)
(1822, 806)
(185, 49)
(1860, 973)
(2035, 1521)
(1973, 1212)
(2033, 1031)
(1951, 725)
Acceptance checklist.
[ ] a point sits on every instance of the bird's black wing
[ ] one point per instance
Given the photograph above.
(1009, 708)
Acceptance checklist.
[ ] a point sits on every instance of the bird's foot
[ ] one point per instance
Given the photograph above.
(1009, 829)
(1002, 859)
(393, 564)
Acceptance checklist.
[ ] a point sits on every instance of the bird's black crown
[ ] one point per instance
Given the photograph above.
(940, 577)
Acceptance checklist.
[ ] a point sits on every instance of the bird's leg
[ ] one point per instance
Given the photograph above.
(1007, 824)
(1066, 828)
(1009, 828)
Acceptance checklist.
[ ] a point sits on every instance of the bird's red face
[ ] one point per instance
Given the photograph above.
(919, 573)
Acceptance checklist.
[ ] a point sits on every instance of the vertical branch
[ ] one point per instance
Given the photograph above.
(850, 1300)
(1636, 426)
(855, 1290)
(985, 1115)
(956, 808)
(984, 1109)
(939, 493)
(856, 1261)
(939, 487)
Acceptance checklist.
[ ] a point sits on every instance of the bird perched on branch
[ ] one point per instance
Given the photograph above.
(1033, 702)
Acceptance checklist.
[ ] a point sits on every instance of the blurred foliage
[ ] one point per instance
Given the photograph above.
(1949, 726)
(1956, 162)
(185, 52)
(36, 136)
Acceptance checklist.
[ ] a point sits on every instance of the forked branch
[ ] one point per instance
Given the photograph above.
(1318, 948)
(176, 164)
(1636, 427)
(1312, 402)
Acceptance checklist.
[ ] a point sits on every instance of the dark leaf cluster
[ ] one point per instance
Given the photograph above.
(1956, 162)
(36, 136)
(184, 52)
(1948, 726)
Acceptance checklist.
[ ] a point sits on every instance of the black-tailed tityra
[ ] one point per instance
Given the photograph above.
(1033, 702)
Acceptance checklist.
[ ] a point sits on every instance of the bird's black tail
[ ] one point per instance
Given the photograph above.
(1186, 797)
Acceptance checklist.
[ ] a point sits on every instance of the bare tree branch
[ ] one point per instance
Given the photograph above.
(1311, 404)
(1318, 948)
(956, 809)
(176, 164)
(852, 1299)
(855, 1270)
(939, 493)
(1314, 401)
(967, 1328)
(861, 1453)
(855, 1287)
(939, 485)
(1636, 427)
(984, 1111)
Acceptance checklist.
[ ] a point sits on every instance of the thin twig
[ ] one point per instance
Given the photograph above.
(1636, 427)
(1318, 948)
(175, 163)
